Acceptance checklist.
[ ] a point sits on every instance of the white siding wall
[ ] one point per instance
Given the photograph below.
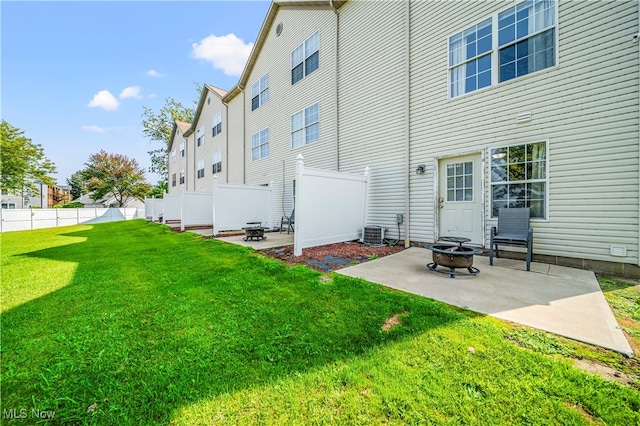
(178, 163)
(286, 99)
(235, 132)
(212, 105)
(372, 70)
(586, 106)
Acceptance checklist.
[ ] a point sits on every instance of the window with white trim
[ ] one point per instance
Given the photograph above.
(305, 58)
(216, 161)
(182, 150)
(260, 144)
(182, 177)
(305, 126)
(173, 155)
(519, 40)
(200, 136)
(519, 178)
(173, 179)
(200, 168)
(260, 92)
(217, 123)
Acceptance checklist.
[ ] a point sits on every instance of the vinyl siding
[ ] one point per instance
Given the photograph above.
(285, 99)
(179, 163)
(235, 132)
(372, 70)
(212, 105)
(586, 107)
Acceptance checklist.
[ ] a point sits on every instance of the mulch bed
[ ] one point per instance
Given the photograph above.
(333, 256)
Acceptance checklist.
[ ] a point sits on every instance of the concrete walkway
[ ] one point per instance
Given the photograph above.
(557, 299)
(273, 240)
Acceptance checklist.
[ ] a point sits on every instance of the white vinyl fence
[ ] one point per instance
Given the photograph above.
(330, 206)
(171, 207)
(153, 208)
(26, 219)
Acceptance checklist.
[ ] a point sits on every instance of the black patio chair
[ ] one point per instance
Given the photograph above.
(512, 230)
(289, 221)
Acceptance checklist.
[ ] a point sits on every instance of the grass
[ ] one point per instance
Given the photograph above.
(130, 323)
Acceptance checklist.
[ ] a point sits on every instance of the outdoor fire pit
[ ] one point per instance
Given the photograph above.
(453, 257)
(254, 230)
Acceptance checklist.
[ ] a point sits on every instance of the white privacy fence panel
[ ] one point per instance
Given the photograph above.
(171, 207)
(236, 205)
(26, 219)
(153, 208)
(197, 209)
(330, 206)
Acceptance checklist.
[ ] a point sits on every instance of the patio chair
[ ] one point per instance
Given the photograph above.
(289, 221)
(513, 230)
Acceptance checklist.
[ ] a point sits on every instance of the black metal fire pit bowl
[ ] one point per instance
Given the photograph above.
(453, 257)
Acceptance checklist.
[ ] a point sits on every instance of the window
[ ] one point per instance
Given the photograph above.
(173, 179)
(182, 177)
(519, 178)
(8, 205)
(260, 144)
(182, 150)
(200, 168)
(520, 40)
(173, 155)
(305, 59)
(200, 135)
(305, 126)
(217, 123)
(260, 92)
(460, 181)
(216, 160)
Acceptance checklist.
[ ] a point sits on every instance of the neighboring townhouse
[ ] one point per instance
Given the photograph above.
(459, 108)
(180, 153)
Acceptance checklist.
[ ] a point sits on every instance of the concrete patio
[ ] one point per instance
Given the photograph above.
(273, 240)
(557, 299)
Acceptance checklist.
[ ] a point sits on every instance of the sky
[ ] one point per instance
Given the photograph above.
(75, 75)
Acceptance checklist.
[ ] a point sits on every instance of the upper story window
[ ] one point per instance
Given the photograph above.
(260, 92)
(260, 144)
(181, 176)
(173, 155)
(519, 40)
(182, 150)
(200, 168)
(305, 126)
(173, 179)
(200, 136)
(216, 160)
(305, 59)
(217, 123)
(519, 178)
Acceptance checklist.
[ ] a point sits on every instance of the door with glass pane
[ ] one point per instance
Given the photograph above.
(460, 198)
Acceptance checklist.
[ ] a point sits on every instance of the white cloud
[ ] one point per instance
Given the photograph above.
(131, 92)
(227, 53)
(154, 73)
(94, 129)
(105, 100)
(153, 95)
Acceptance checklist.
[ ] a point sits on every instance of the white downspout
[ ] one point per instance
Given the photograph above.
(407, 82)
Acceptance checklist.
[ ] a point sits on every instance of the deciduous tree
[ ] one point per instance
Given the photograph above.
(78, 184)
(115, 174)
(23, 165)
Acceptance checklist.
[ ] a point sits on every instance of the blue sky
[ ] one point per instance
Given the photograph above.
(75, 75)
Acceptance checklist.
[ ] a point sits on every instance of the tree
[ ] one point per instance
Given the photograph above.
(158, 126)
(23, 165)
(160, 189)
(78, 184)
(117, 175)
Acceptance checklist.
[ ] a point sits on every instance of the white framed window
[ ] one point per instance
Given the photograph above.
(305, 126)
(217, 123)
(8, 205)
(216, 161)
(260, 144)
(173, 155)
(173, 179)
(260, 92)
(519, 178)
(460, 182)
(200, 168)
(518, 41)
(200, 136)
(305, 58)
(182, 150)
(182, 177)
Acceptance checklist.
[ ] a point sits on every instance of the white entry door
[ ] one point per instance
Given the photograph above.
(460, 197)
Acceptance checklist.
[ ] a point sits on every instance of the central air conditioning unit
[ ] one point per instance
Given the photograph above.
(373, 235)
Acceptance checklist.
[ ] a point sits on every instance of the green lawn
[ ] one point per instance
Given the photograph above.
(130, 323)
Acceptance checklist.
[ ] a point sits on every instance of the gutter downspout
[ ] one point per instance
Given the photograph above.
(407, 123)
(226, 139)
(336, 86)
